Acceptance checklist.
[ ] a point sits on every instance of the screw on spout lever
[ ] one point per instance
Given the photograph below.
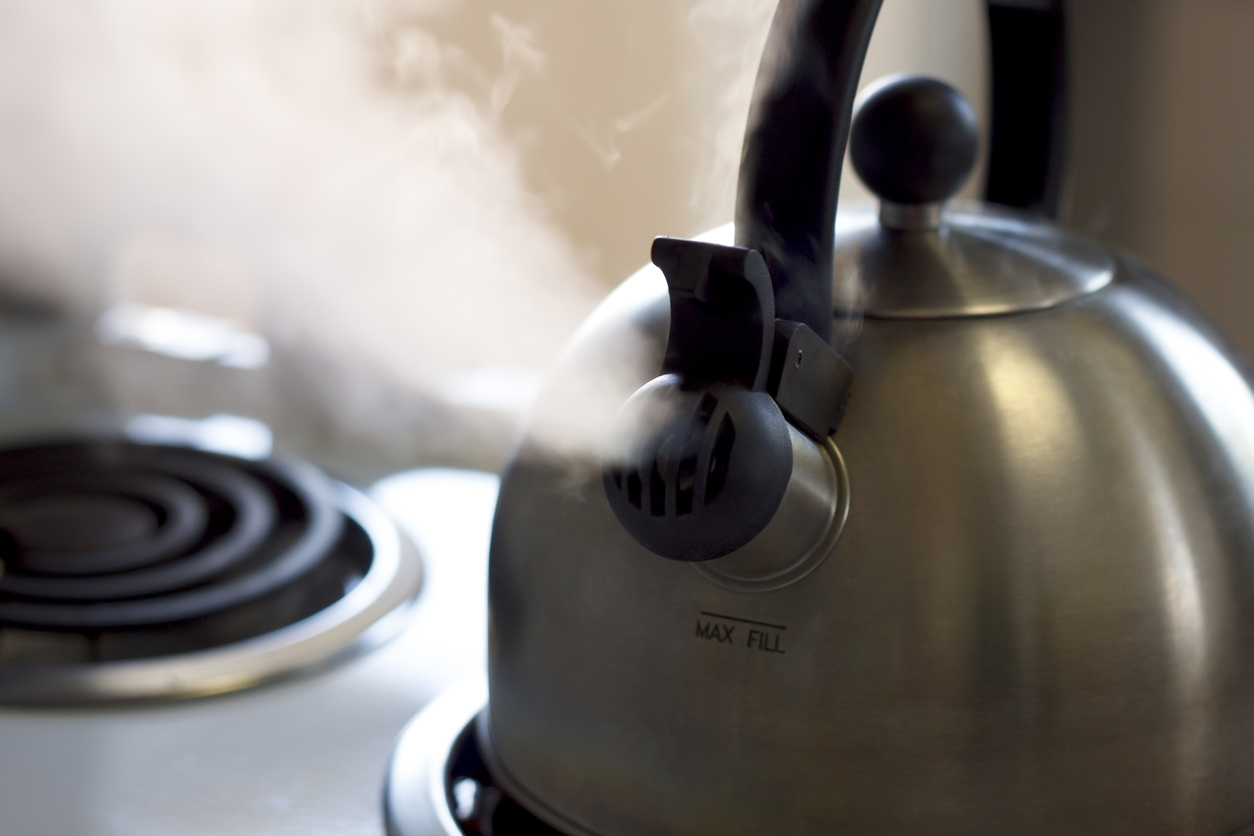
(813, 389)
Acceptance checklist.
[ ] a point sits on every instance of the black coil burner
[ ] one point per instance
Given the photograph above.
(113, 550)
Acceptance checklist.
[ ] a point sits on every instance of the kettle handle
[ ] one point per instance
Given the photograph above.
(1028, 114)
(794, 147)
(799, 122)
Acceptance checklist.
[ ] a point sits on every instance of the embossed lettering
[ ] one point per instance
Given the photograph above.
(764, 641)
(714, 632)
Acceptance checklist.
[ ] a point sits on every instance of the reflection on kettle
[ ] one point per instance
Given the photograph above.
(959, 542)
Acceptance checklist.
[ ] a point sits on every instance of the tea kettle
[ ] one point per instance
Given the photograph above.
(964, 545)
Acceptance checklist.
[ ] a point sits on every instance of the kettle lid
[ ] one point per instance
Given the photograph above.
(980, 261)
(913, 142)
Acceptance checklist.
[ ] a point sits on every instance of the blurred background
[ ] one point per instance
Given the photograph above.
(360, 230)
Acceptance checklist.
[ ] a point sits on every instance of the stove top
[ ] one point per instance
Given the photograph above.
(306, 754)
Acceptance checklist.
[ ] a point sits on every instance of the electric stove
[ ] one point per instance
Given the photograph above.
(262, 696)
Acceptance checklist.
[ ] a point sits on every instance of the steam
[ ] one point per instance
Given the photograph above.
(728, 36)
(331, 176)
(410, 204)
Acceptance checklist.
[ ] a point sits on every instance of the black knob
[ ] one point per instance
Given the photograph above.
(913, 140)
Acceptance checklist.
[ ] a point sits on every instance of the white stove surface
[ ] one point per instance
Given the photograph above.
(304, 757)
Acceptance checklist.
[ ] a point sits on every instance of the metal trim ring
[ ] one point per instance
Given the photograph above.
(808, 562)
(372, 612)
(415, 798)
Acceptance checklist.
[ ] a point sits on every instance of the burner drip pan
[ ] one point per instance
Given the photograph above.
(439, 784)
(142, 571)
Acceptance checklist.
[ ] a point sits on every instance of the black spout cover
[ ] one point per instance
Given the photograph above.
(722, 312)
(694, 474)
(700, 457)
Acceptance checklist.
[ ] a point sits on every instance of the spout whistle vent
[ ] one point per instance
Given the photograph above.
(703, 454)
(696, 474)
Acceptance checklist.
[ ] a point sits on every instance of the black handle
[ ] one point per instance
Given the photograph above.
(1028, 117)
(799, 126)
(794, 147)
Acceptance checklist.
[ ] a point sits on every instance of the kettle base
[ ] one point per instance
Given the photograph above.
(439, 784)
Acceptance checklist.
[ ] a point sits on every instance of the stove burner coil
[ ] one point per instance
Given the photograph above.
(133, 570)
(102, 536)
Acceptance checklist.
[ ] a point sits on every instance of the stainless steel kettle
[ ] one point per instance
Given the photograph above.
(964, 545)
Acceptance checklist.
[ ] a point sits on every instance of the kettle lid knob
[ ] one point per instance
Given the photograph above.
(913, 139)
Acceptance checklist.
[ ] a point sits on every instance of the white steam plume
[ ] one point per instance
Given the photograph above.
(310, 171)
(407, 198)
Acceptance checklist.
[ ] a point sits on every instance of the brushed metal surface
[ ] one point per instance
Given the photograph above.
(916, 217)
(980, 261)
(1039, 618)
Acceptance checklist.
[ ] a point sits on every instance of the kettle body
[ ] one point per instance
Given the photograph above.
(1039, 617)
(1009, 587)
